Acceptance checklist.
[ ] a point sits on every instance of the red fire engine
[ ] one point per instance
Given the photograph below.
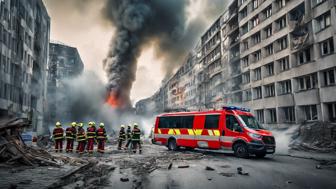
(232, 128)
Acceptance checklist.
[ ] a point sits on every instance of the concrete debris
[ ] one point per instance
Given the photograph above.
(225, 166)
(183, 166)
(318, 167)
(170, 166)
(14, 151)
(124, 179)
(227, 174)
(315, 136)
(241, 172)
(209, 168)
(289, 182)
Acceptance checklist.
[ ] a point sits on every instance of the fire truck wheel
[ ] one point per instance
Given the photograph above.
(172, 144)
(260, 155)
(240, 150)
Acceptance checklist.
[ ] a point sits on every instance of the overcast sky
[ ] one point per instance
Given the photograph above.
(79, 23)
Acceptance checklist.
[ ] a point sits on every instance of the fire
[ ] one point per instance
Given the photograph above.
(112, 100)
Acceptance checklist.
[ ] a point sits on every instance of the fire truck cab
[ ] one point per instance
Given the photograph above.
(232, 128)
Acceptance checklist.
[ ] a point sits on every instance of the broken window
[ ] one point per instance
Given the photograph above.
(257, 55)
(268, 31)
(282, 42)
(246, 77)
(307, 82)
(257, 93)
(284, 63)
(269, 50)
(257, 74)
(329, 77)
(281, 22)
(255, 21)
(323, 21)
(260, 115)
(285, 87)
(245, 61)
(327, 47)
(310, 112)
(289, 114)
(269, 90)
(243, 13)
(269, 69)
(247, 95)
(272, 115)
(303, 56)
(332, 111)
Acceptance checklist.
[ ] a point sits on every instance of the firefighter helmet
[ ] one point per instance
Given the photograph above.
(122, 126)
(73, 124)
(93, 123)
(135, 125)
(80, 124)
(90, 123)
(101, 125)
(58, 124)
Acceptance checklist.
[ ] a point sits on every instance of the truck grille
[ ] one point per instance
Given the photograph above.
(268, 140)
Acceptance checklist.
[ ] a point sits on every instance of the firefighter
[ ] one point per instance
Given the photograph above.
(122, 136)
(136, 138)
(70, 135)
(81, 138)
(91, 136)
(128, 135)
(58, 135)
(101, 137)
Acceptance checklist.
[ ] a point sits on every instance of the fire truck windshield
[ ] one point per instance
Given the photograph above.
(251, 122)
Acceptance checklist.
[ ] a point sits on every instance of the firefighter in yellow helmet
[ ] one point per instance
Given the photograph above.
(81, 138)
(101, 137)
(91, 136)
(70, 135)
(58, 135)
(122, 137)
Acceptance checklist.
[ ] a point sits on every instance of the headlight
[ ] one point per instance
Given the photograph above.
(256, 136)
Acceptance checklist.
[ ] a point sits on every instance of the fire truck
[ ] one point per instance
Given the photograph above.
(229, 129)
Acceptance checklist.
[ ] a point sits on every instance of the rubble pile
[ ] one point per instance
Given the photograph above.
(315, 136)
(14, 151)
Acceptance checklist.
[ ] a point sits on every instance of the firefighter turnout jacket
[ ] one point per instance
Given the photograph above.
(136, 134)
(122, 134)
(70, 133)
(101, 133)
(58, 133)
(91, 132)
(81, 134)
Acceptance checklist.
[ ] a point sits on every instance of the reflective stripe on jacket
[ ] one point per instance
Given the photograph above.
(136, 134)
(58, 133)
(81, 135)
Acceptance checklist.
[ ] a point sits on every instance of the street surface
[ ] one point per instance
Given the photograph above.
(159, 168)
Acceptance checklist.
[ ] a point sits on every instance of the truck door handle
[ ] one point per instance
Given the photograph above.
(223, 133)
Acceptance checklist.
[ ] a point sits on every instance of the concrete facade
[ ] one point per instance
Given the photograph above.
(24, 39)
(275, 57)
(64, 63)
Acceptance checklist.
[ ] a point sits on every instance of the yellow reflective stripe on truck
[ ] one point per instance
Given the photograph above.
(190, 132)
(177, 131)
(216, 132)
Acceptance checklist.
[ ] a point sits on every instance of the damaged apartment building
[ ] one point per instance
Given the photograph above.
(276, 57)
(64, 63)
(24, 38)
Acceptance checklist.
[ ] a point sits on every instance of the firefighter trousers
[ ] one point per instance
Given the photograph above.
(81, 146)
(128, 142)
(90, 145)
(120, 143)
(101, 145)
(70, 143)
(136, 144)
(59, 145)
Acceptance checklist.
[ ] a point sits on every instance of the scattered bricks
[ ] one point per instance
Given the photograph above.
(170, 166)
(227, 174)
(183, 166)
(124, 179)
(241, 172)
(209, 168)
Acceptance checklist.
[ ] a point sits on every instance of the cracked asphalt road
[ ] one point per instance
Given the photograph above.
(159, 168)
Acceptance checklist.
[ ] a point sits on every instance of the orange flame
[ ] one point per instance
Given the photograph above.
(112, 100)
